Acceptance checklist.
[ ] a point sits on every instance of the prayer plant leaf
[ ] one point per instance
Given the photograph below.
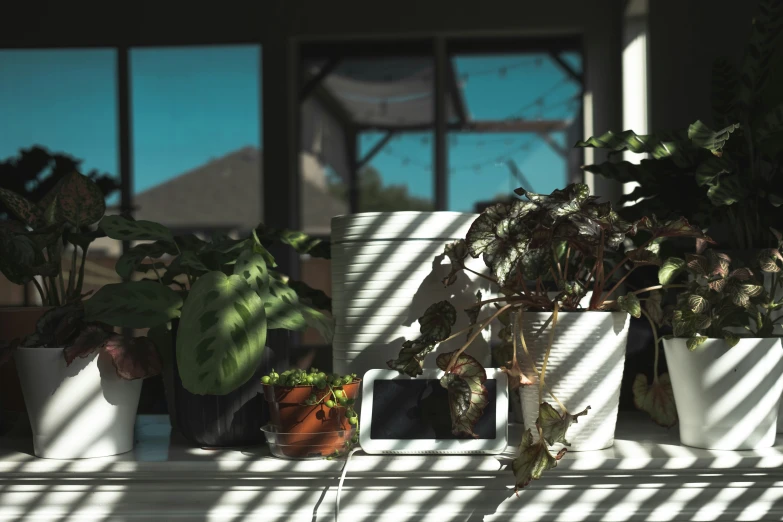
(554, 426)
(656, 399)
(124, 229)
(468, 397)
(133, 259)
(134, 304)
(630, 303)
(533, 459)
(702, 136)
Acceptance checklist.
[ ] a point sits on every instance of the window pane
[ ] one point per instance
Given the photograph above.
(59, 111)
(196, 137)
(525, 105)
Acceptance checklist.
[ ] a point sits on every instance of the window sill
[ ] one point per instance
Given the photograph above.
(647, 475)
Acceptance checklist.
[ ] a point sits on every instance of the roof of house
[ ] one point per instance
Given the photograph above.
(226, 194)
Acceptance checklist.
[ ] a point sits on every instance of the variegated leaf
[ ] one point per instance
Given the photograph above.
(80, 201)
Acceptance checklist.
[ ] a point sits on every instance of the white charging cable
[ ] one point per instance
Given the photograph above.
(340, 485)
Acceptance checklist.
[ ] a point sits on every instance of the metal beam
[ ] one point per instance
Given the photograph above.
(375, 150)
(441, 162)
(566, 67)
(483, 126)
(314, 81)
(351, 150)
(125, 135)
(456, 93)
(562, 151)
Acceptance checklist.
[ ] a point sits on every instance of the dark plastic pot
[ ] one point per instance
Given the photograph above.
(221, 421)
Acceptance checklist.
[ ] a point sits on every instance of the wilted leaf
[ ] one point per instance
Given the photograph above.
(630, 303)
(468, 397)
(670, 269)
(534, 459)
(656, 399)
(554, 426)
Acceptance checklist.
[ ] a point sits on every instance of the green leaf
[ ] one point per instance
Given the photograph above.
(252, 268)
(657, 399)
(646, 172)
(132, 260)
(411, 357)
(706, 138)
(20, 207)
(554, 426)
(322, 322)
(456, 252)
(311, 296)
(727, 190)
(80, 201)
(281, 304)
(695, 341)
(630, 303)
(698, 303)
(133, 304)
(437, 321)
(221, 335)
(191, 262)
(659, 145)
(299, 241)
(768, 260)
(533, 460)
(731, 338)
(124, 229)
(468, 397)
(771, 124)
(670, 269)
(711, 169)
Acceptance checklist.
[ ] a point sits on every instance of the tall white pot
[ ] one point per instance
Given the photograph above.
(387, 269)
(727, 398)
(79, 411)
(585, 368)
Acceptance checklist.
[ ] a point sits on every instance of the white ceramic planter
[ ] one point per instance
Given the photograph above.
(585, 368)
(387, 269)
(79, 411)
(727, 398)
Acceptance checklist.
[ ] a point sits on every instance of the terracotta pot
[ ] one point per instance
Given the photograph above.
(305, 430)
(15, 323)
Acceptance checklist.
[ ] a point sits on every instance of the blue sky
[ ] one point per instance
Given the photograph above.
(190, 105)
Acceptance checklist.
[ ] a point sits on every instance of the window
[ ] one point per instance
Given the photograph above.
(59, 107)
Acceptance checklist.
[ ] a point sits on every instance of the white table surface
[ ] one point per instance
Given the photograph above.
(647, 475)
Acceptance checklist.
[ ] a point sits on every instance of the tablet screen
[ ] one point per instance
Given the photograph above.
(419, 409)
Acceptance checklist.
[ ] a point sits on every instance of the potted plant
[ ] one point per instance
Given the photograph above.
(65, 365)
(566, 241)
(726, 367)
(311, 413)
(208, 309)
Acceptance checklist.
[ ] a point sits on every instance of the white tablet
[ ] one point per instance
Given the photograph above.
(410, 415)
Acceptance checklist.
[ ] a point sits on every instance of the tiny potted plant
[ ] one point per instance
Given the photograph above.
(77, 376)
(726, 366)
(311, 413)
(208, 309)
(556, 261)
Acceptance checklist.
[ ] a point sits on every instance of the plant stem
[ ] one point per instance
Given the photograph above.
(488, 278)
(40, 291)
(568, 254)
(80, 282)
(475, 334)
(656, 340)
(72, 275)
(541, 382)
(627, 258)
(615, 287)
(557, 263)
(518, 321)
(658, 287)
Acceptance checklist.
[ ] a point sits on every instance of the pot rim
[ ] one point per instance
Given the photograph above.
(280, 386)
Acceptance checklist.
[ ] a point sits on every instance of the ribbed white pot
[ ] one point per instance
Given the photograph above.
(387, 269)
(727, 398)
(79, 411)
(585, 368)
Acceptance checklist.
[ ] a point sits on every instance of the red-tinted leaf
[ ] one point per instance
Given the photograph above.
(657, 399)
(133, 357)
(741, 274)
(20, 207)
(409, 360)
(468, 397)
(80, 201)
(91, 339)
